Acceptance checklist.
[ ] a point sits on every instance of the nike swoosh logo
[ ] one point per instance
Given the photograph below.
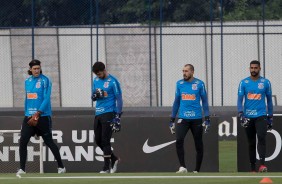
(151, 149)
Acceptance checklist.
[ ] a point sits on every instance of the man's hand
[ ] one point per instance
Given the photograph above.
(99, 93)
(206, 124)
(34, 119)
(115, 123)
(172, 125)
(269, 122)
(245, 122)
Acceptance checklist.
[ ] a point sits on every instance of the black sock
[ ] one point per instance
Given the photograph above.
(106, 163)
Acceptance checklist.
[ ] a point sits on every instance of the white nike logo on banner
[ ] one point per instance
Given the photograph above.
(151, 149)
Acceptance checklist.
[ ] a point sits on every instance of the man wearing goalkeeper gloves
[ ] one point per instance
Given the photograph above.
(189, 92)
(253, 117)
(38, 113)
(108, 96)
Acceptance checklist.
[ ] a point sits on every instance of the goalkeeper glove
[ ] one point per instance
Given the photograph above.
(245, 122)
(34, 119)
(206, 124)
(99, 93)
(115, 123)
(172, 125)
(269, 122)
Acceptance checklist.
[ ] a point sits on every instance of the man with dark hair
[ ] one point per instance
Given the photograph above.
(38, 113)
(189, 92)
(108, 96)
(253, 117)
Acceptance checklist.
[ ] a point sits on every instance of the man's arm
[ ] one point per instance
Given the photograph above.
(269, 100)
(240, 97)
(47, 95)
(176, 103)
(118, 94)
(204, 97)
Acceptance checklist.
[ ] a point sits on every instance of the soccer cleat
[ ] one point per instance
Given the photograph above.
(62, 170)
(182, 170)
(262, 168)
(114, 166)
(105, 171)
(20, 171)
(195, 172)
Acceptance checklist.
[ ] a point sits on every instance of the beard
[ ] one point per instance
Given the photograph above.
(186, 78)
(254, 74)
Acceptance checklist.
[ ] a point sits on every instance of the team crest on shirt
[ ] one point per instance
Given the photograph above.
(194, 86)
(260, 85)
(106, 84)
(246, 81)
(38, 84)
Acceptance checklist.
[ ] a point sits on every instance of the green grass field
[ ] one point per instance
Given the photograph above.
(227, 174)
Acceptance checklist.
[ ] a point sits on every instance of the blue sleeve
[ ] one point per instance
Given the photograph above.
(269, 99)
(93, 87)
(239, 103)
(176, 103)
(204, 98)
(119, 103)
(118, 95)
(240, 97)
(46, 95)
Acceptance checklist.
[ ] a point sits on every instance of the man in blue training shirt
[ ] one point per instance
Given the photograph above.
(189, 92)
(253, 117)
(38, 113)
(108, 96)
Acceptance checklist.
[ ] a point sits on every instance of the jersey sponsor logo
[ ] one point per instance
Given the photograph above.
(250, 112)
(260, 85)
(38, 85)
(246, 81)
(194, 86)
(188, 97)
(151, 149)
(189, 114)
(253, 96)
(31, 96)
(106, 84)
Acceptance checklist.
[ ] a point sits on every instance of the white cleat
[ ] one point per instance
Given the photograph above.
(182, 170)
(62, 170)
(104, 172)
(114, 168)
(20, 171)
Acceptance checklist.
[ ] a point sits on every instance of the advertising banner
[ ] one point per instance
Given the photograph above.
(144, 144)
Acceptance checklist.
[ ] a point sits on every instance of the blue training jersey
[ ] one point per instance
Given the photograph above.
(112, 100)
(254, 94)
(38, 95)
(188, 96)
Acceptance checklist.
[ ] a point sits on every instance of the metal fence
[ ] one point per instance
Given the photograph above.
(144, 43)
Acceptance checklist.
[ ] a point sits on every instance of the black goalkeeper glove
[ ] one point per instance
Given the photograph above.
(206, 124)
(99, 93)
(115, 123)
(172, 125)
(269, 122)
(245, 122)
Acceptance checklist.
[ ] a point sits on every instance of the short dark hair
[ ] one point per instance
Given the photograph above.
(190, 65)
(33, 63)
(255, 62)
(98, 67)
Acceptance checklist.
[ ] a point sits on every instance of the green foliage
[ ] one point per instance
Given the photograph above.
(83, 12)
